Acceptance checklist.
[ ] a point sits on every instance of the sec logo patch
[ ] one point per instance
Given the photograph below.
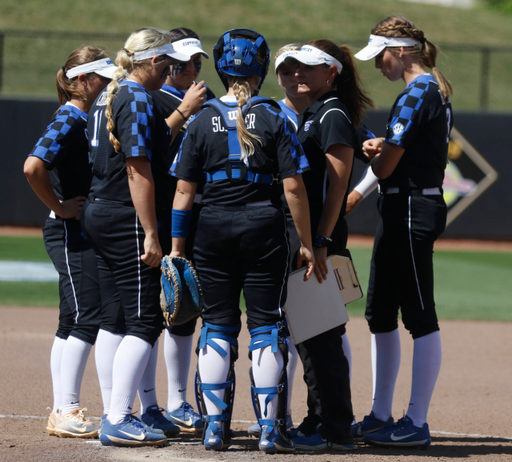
(398, 128)
(307, 125)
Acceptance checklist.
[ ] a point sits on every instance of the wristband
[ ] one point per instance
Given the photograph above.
(180, 222)
(181, 113)
(321, 241)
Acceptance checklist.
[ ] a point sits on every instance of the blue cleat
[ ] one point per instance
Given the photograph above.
(310, 443)
(400, 435)
(213, 440)
(273, 442)
(186, 419)
(130, 432)
(155, 420)
(370, 424)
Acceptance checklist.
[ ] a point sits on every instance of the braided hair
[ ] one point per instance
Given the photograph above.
(400, 27)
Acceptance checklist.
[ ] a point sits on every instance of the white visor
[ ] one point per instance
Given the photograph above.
(282, 58)
(377, 43)
(166, 49)
(312, 56)
(189, 47)
(104, 67)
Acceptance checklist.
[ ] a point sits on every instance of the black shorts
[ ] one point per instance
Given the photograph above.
(242, 248)
(75, 261)
(402, 274)
(118, 237)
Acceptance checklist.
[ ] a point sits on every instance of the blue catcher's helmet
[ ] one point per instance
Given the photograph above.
(237, 56)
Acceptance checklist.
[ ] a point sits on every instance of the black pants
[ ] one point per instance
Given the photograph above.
(118, 237)
(75, 261)
(326, 369)
(242, 248)
(402, 274)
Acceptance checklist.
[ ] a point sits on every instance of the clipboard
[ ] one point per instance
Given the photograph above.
(312, 308)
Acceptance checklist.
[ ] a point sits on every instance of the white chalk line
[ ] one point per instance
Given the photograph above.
(463, 435)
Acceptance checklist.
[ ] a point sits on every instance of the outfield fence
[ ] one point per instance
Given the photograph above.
(29, 60)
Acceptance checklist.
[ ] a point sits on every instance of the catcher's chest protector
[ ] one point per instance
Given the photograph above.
(236, 169)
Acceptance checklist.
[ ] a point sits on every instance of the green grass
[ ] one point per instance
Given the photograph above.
(468, 285)
(30, 64)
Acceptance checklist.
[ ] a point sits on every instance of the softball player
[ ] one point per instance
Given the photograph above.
(58, 171)
(129, 141)
(328, 137)
(242, 143)
(178, 339)
(410, 163)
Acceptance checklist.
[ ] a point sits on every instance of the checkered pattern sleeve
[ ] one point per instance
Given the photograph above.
(134, 124)
(290, 155)
(60, 135)
(406, 113)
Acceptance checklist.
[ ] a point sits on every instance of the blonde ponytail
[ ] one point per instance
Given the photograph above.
(398, 26)
(140, 40)
(242, 91)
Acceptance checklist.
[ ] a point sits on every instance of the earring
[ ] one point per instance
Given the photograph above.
(85, 84)
(328, 82)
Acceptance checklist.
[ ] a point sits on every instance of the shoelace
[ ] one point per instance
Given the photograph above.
(80, 417)
(135, 422)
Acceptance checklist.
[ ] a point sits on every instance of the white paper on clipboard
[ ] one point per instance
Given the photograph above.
(312, 308)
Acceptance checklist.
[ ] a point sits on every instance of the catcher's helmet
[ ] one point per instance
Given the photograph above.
(237, 56)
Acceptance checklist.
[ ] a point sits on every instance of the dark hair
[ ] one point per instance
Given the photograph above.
(347, 84)
(67, 88)
(398, 26)
(180, 33)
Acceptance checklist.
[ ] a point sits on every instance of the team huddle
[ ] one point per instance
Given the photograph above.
(141, 160)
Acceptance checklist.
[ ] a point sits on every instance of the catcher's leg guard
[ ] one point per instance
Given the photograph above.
(275, 337)
(217, 433)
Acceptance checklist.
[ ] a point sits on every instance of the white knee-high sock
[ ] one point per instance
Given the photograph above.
(213, 368)
(347, 351)
(147, 393)
(266, 370)
(130, 362)
(105, 351)
(426, 365)
(74, 359)
(293, 358)
(177, 352)
(386, 355)
(55, 368)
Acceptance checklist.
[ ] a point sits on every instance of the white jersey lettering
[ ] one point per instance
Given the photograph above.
(217, 125)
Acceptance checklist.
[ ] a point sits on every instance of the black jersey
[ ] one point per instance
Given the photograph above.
(205, 149)
(321, 126)
(420, 121)
(64, 149)
(167, 100)
(142, 132)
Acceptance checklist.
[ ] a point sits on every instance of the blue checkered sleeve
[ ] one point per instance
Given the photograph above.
(290, 144)
(405, 114)
(54, 137)
(136, 133)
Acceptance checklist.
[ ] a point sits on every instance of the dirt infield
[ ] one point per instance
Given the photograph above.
(469, 417)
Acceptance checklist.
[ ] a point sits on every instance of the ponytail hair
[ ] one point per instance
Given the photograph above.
(68, 88)
(400, 27)
(243, 94)
(140, 40)
(347, 84)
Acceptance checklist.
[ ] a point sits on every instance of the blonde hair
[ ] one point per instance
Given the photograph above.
(68, 88)
(285, 49)
(140, 40)
(398, 26)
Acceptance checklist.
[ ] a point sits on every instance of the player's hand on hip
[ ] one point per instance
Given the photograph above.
(372, 147)
(71, 208)
(152, 252)
(306, 255)
(193, 99)
(321, 263)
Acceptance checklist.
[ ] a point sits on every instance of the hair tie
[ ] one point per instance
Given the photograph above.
(129, 53)
(63, 70)
(423, 40)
